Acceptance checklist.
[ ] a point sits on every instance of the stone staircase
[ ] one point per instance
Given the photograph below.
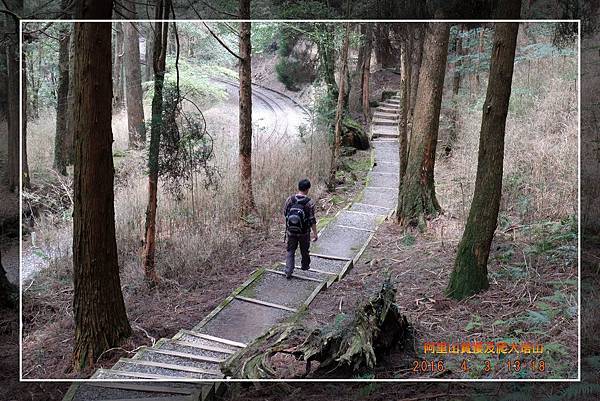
(384, 123)
(186, 366)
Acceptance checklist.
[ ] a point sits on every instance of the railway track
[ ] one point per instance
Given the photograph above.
(281, 107)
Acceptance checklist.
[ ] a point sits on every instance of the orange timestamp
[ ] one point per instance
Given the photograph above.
(487, 366)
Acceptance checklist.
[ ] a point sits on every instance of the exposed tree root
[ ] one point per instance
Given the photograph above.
(348, 345)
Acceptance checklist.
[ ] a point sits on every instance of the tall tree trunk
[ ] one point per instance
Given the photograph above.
(405, 66)
(118, 87)
(100, 317)
(33, 78)
(417, 58)
(25, 178)
(133, 84)
(12, 117)
(245, 113)
(456, 78)
(327, 59)
(70, 130)
(480, 50)
(148, 71)
(161, 31)
(470, 268)
(62, 98)
(8, 291)
(355, 90)
(417, 198)
(339, 112)
(366, 71)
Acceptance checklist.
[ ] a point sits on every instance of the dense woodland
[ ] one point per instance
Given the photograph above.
(145, 149)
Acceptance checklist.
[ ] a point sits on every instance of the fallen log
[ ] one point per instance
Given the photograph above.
(347, 346)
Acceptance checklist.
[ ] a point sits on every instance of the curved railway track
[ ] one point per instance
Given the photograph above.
(282, 108)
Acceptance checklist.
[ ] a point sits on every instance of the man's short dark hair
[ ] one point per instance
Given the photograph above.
(304, 185)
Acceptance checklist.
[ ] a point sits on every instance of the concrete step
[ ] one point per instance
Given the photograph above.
(386, 109)
(328, 277)
(164, 369)
(200, 358)
(380, 121)
(210, 343)
(193, 349)
(385, 135)
(133, 391)
(385, 116)
(393, 100)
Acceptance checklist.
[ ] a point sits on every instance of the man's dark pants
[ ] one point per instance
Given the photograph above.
(295, 240)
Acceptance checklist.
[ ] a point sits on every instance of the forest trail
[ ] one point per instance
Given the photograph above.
(265, 298)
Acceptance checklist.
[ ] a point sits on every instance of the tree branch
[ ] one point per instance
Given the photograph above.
(223, 43)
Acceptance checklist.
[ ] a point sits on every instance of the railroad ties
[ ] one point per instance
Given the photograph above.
(190, 360)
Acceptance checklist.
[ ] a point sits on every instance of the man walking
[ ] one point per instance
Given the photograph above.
(299, 212)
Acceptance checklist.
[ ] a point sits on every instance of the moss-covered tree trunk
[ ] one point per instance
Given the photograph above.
(69, 140)
(366, 71)
(339, 112)
(405, 67)
(118, 87)
(133, 83)
(417, 59)
(456, 80)
(326, 51)
(417, 199)
(100, 317)
(161, 30)
(62, 99)
(12, 116)
(470, 268)
(247, 204)
(25, 177)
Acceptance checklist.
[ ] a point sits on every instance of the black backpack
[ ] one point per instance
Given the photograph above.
(296, 220)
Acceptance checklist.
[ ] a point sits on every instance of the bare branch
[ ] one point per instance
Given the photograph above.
(222, 43)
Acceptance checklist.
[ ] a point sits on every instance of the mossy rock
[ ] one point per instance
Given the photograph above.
(385, 95)
(347, 151)
(354, 135)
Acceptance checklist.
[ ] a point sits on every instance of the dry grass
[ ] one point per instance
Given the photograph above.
(201, 242)
(540, 157)
(204, 221)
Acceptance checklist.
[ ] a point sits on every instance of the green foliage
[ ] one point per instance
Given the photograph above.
(288, 72)
(41, 62)
(304, 10)
(324, 109)
(576, 391)
(409, 240)
(474, 323)
(262, 37)
(194, 81)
